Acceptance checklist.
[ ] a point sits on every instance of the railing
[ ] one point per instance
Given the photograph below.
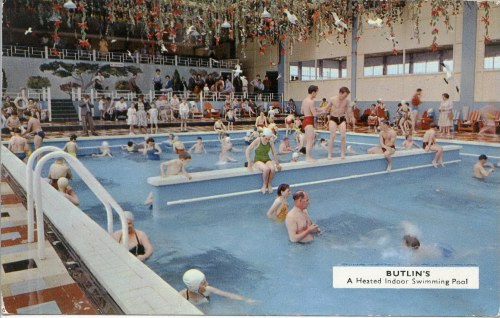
(115, 57)
(34, 184)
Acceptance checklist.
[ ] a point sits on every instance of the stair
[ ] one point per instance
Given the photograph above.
(63, 110)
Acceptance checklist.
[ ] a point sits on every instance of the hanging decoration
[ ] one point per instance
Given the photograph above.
(485, 19)
(208, 23)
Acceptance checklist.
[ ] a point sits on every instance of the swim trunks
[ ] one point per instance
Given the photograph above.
(308, 120)
(20, 155)
(41, 133)
(425, 144)
(384, 150)
(338, 120)
(152, 155)
(289, 121)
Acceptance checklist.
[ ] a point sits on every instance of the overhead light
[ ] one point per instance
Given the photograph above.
(265, 14)
(225, 25)
(70, 5)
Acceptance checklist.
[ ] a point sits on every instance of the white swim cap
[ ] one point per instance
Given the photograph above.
(128, 215)
(62, 182)
(105, 144)
(403, 102)
(193, 279)
(266, 132)
(295, 155)
(227, 139)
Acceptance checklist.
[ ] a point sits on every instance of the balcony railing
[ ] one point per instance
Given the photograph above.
(115, 57)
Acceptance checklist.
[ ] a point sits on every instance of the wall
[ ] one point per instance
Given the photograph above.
(394, 88)
(18, 69)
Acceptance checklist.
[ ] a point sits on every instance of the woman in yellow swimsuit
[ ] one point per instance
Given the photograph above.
(279, 209)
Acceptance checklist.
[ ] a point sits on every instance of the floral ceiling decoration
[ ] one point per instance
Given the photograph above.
(208, 23)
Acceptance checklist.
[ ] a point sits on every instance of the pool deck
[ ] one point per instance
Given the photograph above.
(54, 285)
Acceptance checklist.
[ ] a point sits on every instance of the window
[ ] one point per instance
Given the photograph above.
(332, 68)
(374, 66)
(492, 56)
(294, 71)
(394, 64)
(308, 70)
(429, 62)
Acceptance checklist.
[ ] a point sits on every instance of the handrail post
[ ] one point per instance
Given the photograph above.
(49, 103)
(46, 52)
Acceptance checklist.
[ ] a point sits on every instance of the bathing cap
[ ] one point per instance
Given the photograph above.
(193, 279)
(128, 215)
(62, 182)
(227, 139)
(295, 155)
(105, 143)
(266, 132)
(403, 102)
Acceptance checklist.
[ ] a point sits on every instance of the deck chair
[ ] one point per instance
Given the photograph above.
(472, 122)
(456, 117)
(210, 111)
(197, 114)
(425, 122)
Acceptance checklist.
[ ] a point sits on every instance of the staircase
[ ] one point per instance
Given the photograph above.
(63, 110)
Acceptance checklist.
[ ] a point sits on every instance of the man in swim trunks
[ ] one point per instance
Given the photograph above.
(429, 143)
(18, 145)
(35, 127)
(415, 102)
(387, 143)
(298, 223)
(479, 171)
(309, 111)
(340, 111)
(58, 170)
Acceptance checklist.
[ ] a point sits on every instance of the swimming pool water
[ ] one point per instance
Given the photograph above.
(242, 251)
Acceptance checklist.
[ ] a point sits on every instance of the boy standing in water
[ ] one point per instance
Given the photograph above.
(176, 166)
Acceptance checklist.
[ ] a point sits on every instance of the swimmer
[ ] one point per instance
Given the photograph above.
(71, 146)
(176, 166)
(225, 148)
(67, 191)
(105, 151)
(309, 111)
(387, 140)
(219, 128)
(279, 208)
(479, 171)
(58, 170)
(429, 143)
(131, 146)
(284, 146)
(289, 123)
(409, 143)
(298, 223)
(350, 151)
(138, 242)
(340, 112)
(178, 147)
(198, 147)
(295, 157)
(151, 150)
(198, 290)
(323, 143)
(171, 139)
(263, 145)
(19, 145)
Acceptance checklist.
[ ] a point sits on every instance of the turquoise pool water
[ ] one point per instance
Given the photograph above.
(240, 250)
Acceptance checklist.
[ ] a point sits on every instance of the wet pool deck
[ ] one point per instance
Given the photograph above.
(30, 286)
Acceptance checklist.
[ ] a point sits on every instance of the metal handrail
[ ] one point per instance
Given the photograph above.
(34, 182)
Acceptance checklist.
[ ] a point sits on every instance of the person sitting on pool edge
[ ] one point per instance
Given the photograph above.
(176, 166)
(479, 171)
(138, 241)
(198, 290)
(298, 223)
(279, 209)
(262, 161)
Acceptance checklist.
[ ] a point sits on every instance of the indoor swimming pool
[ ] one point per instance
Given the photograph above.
(240, 250)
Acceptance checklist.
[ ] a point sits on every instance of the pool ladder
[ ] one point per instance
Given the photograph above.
(34, 194)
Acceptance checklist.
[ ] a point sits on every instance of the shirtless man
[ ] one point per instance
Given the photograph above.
(198, 147)
(387, 143)
(176, 166)
(58, 170)
(35, 127)
(429, 143)
(340, 111)
(479, 171)
(309, 111)
(261, 121)
(19, 145)
(298, 223)
(284, 146)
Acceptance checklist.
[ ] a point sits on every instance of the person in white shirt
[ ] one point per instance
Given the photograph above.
(121, 108)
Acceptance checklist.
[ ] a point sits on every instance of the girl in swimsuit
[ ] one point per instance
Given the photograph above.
(138, 241)
(152, 150)
(71, 147)
(279, 209)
